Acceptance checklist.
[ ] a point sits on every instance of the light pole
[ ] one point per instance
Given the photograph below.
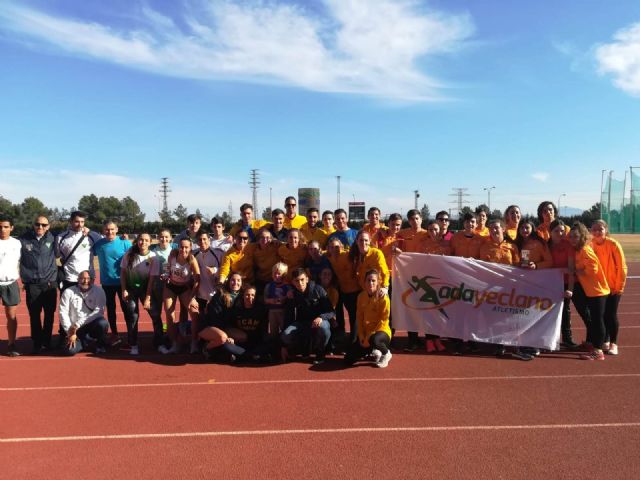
(416, 195)
(561, 195)
(488, 190)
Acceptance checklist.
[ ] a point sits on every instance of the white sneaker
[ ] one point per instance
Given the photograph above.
(376, 355)
(134, 350)
(606, 346)
(613, 349)
(384, 360)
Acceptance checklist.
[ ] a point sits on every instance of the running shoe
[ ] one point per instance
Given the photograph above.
(593, 355)
(376, 355)
(613, 349)
(384, 361)
(520, 355)
(605, 346)
(11, 350)
(134, 350)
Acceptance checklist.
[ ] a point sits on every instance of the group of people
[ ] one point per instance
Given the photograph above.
(271, 291)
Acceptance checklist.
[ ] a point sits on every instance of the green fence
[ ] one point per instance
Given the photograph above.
(620, 212)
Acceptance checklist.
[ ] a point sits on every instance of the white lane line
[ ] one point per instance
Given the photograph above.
(316, 431)
(213, 382)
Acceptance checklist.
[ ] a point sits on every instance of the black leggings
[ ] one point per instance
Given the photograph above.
(350, 302)
(595, 324)
(110, 292)
(378, 341)
(611, 323)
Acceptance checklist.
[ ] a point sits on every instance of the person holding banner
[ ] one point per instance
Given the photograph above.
(466, 243)
(561, 252)
(613, 263)
(591, 288)
(499, 248)
(433, 243)
(512, 217)
(374, 333)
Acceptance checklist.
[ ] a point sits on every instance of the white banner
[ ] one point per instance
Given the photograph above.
(474, 300)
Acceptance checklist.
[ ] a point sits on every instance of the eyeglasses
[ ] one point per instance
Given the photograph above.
(442, 219)
(40, 224)
(290, 205)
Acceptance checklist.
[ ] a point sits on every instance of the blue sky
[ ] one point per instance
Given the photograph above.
(534, 98)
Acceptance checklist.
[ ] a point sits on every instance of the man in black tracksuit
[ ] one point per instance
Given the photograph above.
(38, 273)
(307, 314)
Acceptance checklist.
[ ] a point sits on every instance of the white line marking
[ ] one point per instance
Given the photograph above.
(239, 433)
(325, 380)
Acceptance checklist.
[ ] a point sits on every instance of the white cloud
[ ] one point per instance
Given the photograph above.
(540, 176)
(358, 47)
(621, 59)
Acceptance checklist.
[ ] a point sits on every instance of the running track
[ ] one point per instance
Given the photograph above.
(423, 417)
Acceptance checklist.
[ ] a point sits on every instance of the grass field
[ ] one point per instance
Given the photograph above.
(630, 244)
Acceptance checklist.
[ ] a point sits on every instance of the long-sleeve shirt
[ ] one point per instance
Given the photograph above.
(590, 273)
(505, 252)
(237, 261)
(463, 245)
(293, 257)
(37, 259)
(78, 308)
(306, 306)
(413, 241)
(373, 260)
(613, 263)
(372, 315)
(263, 260)
(345, 272)
(538, 253)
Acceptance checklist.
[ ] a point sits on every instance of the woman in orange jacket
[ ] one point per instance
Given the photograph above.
(534, 252)
(613, 263)
(512, 217)
(591, 288)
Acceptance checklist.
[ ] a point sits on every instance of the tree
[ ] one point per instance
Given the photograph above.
(30, 208)
(484, 207)
(424, 212)
(165, 216)
(90, 204)
(496, 214)
(180, 213)
(130, 212)
(6, 207)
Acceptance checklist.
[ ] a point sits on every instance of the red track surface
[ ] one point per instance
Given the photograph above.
(423, 417)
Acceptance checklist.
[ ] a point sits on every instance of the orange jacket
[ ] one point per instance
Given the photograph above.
(505, 252)
(263, 260)
(538, 253)
(612, 260)
(592, 277)
(294, 258)
(483, 232)
(545, 234)
(512, 233)
(412, 241)
(465, 246)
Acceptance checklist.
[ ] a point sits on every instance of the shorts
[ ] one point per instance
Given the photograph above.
(10, 294)
(178, 289)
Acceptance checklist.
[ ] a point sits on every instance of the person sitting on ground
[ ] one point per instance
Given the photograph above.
(82, 315)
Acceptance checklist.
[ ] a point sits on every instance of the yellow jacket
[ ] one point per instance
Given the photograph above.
(345, 272)
(372, 315)
(309, 234)
(296, 222)
(294, 258)
(483, 232)
(236, 261)
(613, 263)
(512, 233)
(373, 260)
(592, 278)
(263, 260)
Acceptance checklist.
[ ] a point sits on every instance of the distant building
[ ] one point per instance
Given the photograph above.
(308, 198)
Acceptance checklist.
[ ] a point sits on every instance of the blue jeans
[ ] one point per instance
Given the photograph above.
(97, 329)
(298, 336)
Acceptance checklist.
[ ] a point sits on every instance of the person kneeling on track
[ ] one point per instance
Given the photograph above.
(82, 315)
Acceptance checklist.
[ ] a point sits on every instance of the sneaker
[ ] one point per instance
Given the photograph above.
(430, 346)
(11, 351)
(593, 355)
(134, 350)
(606, 346)
(520, 355)
(320, 359)
(384, 361)
(100, 350)
(164, 350)
(411, 347)
(613, 349)
(439, 345)
(501, 351)
(376, 355)
(194, 347)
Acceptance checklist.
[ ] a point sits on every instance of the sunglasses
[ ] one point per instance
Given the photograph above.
(40, 224)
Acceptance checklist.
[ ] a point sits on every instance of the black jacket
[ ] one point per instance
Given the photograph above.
(306, 306)
(37, 258)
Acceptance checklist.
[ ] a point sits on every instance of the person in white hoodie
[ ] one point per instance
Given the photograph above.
(82, 315)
